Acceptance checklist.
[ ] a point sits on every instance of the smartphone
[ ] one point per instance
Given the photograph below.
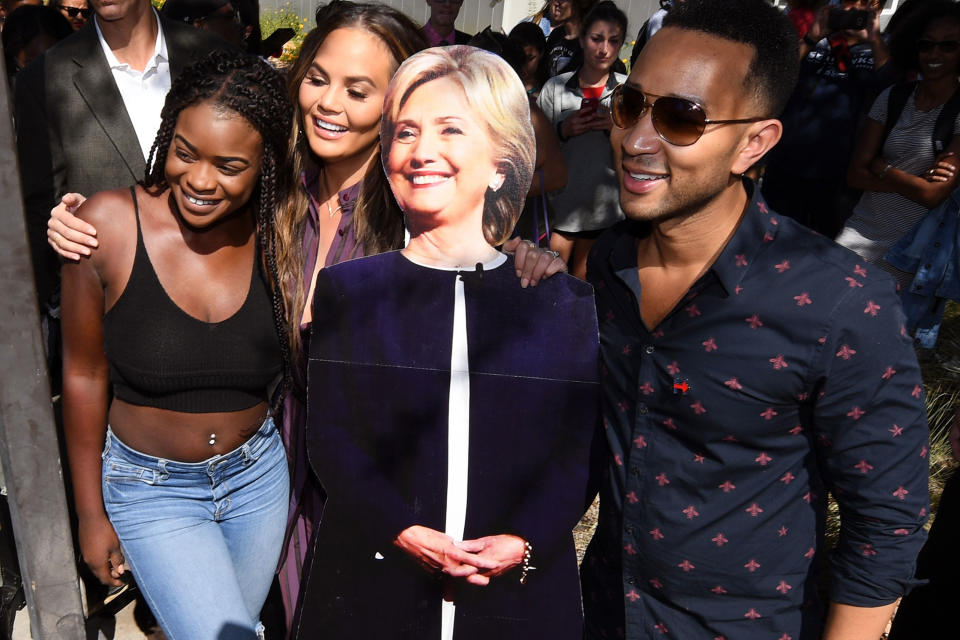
(590, 104)
(273, 45)
(840, 20)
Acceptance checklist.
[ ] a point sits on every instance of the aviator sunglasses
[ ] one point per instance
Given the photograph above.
(74, 11)
(678, 121)
(946, 46)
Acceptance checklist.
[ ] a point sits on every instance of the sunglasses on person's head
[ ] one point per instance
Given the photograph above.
(678, 121)
(73, 12)
(947, 46)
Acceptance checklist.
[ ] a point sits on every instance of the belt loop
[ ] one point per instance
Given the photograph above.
(106, 444)
(162, 465)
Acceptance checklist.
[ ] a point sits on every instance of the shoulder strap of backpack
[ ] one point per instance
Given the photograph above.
(943, 129)
(896, 101)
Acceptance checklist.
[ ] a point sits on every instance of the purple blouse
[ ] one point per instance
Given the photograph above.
(306, 494)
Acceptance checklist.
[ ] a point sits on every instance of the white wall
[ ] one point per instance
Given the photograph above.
(503, 14)
(476, 14)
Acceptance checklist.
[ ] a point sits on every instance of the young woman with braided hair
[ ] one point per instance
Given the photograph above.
(182, 478)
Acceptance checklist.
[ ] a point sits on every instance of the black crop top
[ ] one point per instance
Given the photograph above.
(162, 357)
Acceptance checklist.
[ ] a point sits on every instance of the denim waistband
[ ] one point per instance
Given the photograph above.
(249, 450)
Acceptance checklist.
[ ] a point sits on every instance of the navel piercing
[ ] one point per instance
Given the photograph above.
(213, 439)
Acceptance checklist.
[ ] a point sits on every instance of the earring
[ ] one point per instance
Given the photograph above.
(497, 182)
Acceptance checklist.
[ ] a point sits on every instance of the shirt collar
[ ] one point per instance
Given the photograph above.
(159, 49)
(756, 230)
(434, 39)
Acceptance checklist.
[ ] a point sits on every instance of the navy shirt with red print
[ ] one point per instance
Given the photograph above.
(783, 374)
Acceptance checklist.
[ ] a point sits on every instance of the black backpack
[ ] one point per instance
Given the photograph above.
(942, 130)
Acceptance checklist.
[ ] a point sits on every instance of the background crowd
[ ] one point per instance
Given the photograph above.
(868, 156)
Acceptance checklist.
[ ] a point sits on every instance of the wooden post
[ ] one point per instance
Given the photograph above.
(28, 439)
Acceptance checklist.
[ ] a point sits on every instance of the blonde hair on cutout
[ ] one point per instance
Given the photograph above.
(498, 100)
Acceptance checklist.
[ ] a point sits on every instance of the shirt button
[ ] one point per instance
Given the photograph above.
(642, 409)
(649, 349)
(340, 231)
(632, 581)
(630, 530)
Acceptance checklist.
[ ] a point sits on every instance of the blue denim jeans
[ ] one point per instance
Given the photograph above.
(202, 539)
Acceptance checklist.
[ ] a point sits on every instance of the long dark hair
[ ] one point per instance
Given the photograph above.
(377, 220)
(252, 89)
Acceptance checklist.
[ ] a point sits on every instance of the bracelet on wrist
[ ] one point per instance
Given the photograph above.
(883, 173)
(526, 567)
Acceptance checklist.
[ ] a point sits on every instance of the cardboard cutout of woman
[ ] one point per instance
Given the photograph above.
(451, 413)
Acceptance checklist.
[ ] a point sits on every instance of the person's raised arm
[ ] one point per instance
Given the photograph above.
(816, 32)
(881, 53)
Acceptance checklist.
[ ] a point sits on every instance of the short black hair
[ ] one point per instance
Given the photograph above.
(526, 33)
(499, 44)
(776, 60)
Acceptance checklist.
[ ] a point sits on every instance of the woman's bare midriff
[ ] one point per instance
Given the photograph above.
(183, 437)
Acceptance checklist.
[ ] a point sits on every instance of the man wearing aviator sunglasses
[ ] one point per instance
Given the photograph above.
(677, 121)
(750, 365)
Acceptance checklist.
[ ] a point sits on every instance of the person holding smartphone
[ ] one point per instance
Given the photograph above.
(578, 104)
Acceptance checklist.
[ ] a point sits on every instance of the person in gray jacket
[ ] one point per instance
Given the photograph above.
(578, 103)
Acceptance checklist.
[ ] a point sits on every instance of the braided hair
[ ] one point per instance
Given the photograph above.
(251, 88)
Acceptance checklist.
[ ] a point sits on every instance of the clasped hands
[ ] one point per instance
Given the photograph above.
(476, 561)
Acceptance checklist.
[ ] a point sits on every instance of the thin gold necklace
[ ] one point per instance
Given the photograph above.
(330, 210)
(333, 211)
